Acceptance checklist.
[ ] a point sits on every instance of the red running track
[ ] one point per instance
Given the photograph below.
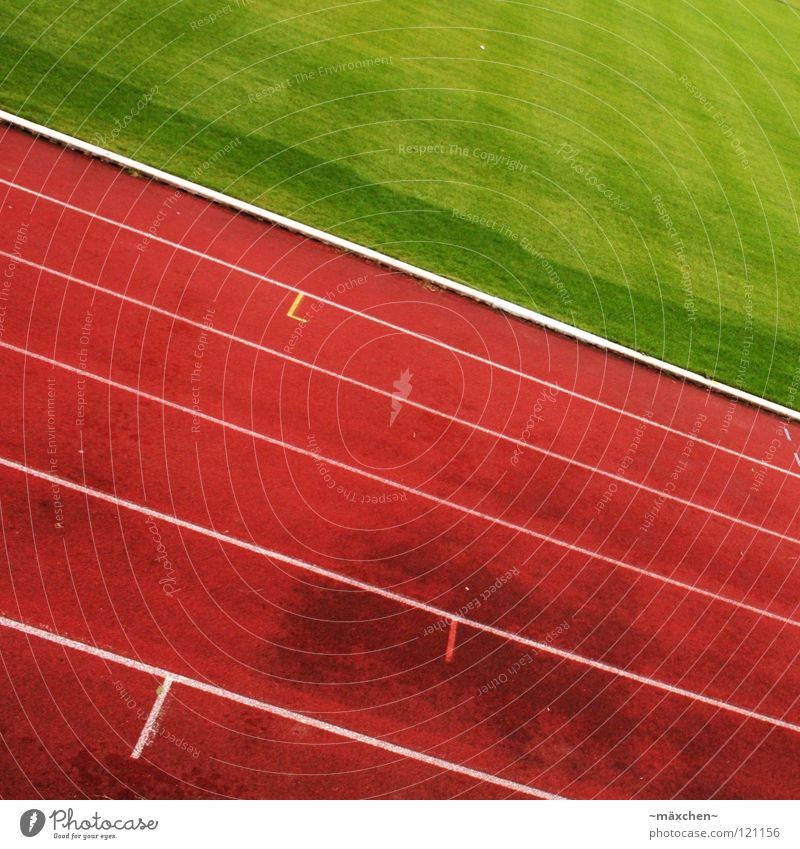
(379, 541)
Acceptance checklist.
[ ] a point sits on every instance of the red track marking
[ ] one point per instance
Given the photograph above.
(668, 655)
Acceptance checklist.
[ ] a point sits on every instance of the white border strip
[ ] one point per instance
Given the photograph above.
(376, 742)
(500, 304)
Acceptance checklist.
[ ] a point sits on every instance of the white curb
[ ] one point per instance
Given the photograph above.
(443, 282)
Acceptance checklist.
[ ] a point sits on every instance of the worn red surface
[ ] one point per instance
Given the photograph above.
(435, 449)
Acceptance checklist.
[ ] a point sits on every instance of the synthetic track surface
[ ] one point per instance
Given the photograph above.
(524, 564)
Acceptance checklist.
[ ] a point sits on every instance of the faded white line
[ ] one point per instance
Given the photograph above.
(151, 725)
(266, 707)
(368, 317)
(405, 601)
(467, 511)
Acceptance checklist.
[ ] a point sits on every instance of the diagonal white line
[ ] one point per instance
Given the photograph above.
(528, 446)
(151, 725)
(398, 328)
(266, 707)
(405, 601)
(467, 511)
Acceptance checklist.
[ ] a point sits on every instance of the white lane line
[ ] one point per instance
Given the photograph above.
(518, 443)
(266, 707)
(405, 601)
(368, 317)
(151, 726)
(467, 511)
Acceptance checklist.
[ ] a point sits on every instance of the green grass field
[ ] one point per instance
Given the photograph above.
(629, 167)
